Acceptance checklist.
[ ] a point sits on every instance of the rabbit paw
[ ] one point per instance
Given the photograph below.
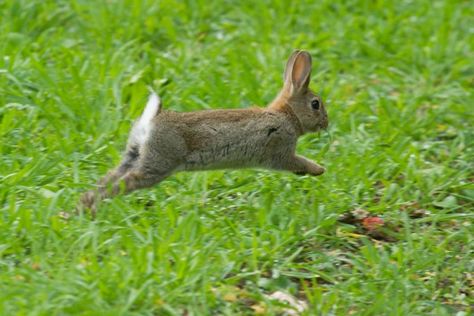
(88, 201)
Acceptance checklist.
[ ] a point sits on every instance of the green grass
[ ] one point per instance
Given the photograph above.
(398, 79)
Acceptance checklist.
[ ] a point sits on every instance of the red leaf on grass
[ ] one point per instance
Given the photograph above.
(372, 222)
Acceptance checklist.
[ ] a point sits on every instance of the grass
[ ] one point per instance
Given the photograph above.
(398, 80)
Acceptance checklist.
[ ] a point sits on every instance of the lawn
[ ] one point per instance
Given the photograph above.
(397, 78)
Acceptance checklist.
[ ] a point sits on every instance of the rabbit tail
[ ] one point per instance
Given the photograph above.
(142, 127)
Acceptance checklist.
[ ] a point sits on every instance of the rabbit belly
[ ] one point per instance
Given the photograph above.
(243, 153)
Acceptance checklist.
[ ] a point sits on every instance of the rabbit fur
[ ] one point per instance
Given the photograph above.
(164, 142)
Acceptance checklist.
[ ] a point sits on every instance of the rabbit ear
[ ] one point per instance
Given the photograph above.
(301, 72)
(289, 67)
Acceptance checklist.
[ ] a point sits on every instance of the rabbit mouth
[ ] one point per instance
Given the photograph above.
(324, 125)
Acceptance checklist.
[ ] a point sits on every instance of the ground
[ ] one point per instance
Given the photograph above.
(397, 78)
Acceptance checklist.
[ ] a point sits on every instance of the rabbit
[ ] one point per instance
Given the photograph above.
(165, 142)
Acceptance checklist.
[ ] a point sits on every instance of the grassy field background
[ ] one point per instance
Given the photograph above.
(398, 79)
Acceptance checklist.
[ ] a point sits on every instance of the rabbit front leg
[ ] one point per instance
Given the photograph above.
(302, 166)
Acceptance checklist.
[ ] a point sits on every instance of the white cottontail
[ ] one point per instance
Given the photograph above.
(164, 142)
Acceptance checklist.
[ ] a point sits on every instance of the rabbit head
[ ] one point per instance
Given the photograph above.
(296, 95)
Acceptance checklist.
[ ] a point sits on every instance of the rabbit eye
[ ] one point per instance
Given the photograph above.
(315, 104)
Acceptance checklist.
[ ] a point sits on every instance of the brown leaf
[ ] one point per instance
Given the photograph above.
(230, 297)
(360, 213)
(382, 235)
(419, 213)
(35, 266)
(64, 215)
(259, 309)
(353, 217)
(297, 306)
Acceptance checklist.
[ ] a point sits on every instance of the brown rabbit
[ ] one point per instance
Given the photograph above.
(164, 142)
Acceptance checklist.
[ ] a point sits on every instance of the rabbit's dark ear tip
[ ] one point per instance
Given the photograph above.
(301, 53)
(295, 52)
(304, 52)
